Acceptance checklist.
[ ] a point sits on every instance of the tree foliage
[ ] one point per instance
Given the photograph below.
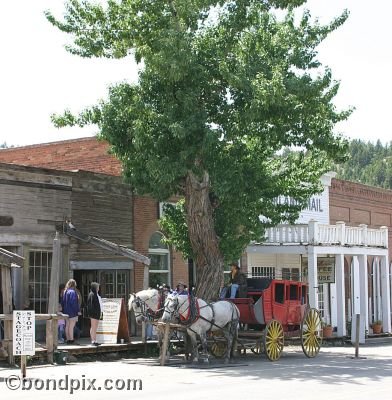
(368, 163)
(225, 85)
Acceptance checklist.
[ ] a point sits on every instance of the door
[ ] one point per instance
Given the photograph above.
(114, 283)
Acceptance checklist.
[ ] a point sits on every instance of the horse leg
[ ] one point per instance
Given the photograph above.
(160, 341)
(234, 331)
(187, 346)
(193, 339)
(229, 339)
(203, 339)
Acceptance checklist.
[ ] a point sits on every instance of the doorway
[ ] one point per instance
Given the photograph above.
(114, 283)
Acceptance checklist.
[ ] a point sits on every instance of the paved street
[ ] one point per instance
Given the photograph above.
(332, 375)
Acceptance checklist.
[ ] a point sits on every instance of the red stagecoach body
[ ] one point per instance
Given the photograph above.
(270, 299)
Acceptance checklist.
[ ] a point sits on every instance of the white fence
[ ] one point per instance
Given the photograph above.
(339, 234)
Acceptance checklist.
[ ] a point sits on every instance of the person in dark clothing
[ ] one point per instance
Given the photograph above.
(70, 306)
(94, 311)
(234, 282)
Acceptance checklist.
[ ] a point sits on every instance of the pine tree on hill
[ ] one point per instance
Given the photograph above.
(368, 163)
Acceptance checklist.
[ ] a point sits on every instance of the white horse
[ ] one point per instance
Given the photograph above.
(220, 316)
(146, 305)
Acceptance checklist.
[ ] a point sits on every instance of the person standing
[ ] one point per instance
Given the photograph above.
(94, 311)
(70, 306)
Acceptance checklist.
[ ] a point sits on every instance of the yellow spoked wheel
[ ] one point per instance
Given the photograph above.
(258, 347)
(273, 340)
(311, 333)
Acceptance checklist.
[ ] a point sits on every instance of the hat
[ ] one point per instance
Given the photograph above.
(181, 283)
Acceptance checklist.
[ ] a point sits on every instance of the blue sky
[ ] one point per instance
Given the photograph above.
(38, 77)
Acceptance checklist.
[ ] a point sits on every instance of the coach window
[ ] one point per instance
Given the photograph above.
(160, 266)
(279, 293)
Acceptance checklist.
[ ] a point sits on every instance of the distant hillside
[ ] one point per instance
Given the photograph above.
(368, 163)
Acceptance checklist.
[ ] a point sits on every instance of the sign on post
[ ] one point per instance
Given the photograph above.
(24, 333)
(114, 324)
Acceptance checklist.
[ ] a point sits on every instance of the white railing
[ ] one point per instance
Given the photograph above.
(288, 234)
(339, 234)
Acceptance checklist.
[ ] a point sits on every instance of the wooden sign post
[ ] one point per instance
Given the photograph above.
(23, 336)
(114, 325)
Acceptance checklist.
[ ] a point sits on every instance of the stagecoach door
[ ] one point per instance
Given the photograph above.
(279, 307)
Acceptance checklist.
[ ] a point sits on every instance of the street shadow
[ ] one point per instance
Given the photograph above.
(330, 367)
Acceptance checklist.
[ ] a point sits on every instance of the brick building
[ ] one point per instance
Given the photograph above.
(42, 185)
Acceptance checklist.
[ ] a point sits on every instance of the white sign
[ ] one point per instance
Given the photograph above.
(108, 327)
(325, 269)
(24, 333)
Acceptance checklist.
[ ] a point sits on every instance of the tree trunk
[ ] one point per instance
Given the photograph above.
(205, 244)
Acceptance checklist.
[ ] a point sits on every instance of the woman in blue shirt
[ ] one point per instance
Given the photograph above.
(71, 307)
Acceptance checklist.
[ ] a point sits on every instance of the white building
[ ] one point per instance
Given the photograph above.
(315, 250)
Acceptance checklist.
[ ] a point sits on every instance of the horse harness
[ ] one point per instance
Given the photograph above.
(146, 310)
(194, 314)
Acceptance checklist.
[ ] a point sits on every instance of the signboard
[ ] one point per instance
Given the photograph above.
(325, 269)
(114, 324)
(24, 333)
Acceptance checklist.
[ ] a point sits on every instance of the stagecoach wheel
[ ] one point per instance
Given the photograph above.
(273, 340)
(311, 333)
(218, 347)
(258, 347)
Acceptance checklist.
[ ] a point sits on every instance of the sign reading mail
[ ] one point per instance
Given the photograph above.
(24, 333)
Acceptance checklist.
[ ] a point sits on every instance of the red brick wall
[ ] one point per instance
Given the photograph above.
(145, 224)
(355, 204)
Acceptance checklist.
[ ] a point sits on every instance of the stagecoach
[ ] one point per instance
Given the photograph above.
(274, 313)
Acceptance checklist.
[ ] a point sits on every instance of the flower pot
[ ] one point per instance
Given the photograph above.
(327, 331)
(377, 329)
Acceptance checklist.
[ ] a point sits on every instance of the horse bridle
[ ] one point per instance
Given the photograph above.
(176, 306)
(146, 310)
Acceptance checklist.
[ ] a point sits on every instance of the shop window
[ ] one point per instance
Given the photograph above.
(291, 274)
(304, 298)
(321, 304)
(159, 271)
(40, 264)
(263, 272)
(293, 292)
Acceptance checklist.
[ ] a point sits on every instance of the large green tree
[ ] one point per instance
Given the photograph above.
(224, 86)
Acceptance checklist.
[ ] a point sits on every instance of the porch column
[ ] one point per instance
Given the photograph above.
(364, 295)
(356, 296)
(385, 295)
(312, 277)
(340, 295)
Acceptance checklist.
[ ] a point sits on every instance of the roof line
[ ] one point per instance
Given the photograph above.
(82, 139)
